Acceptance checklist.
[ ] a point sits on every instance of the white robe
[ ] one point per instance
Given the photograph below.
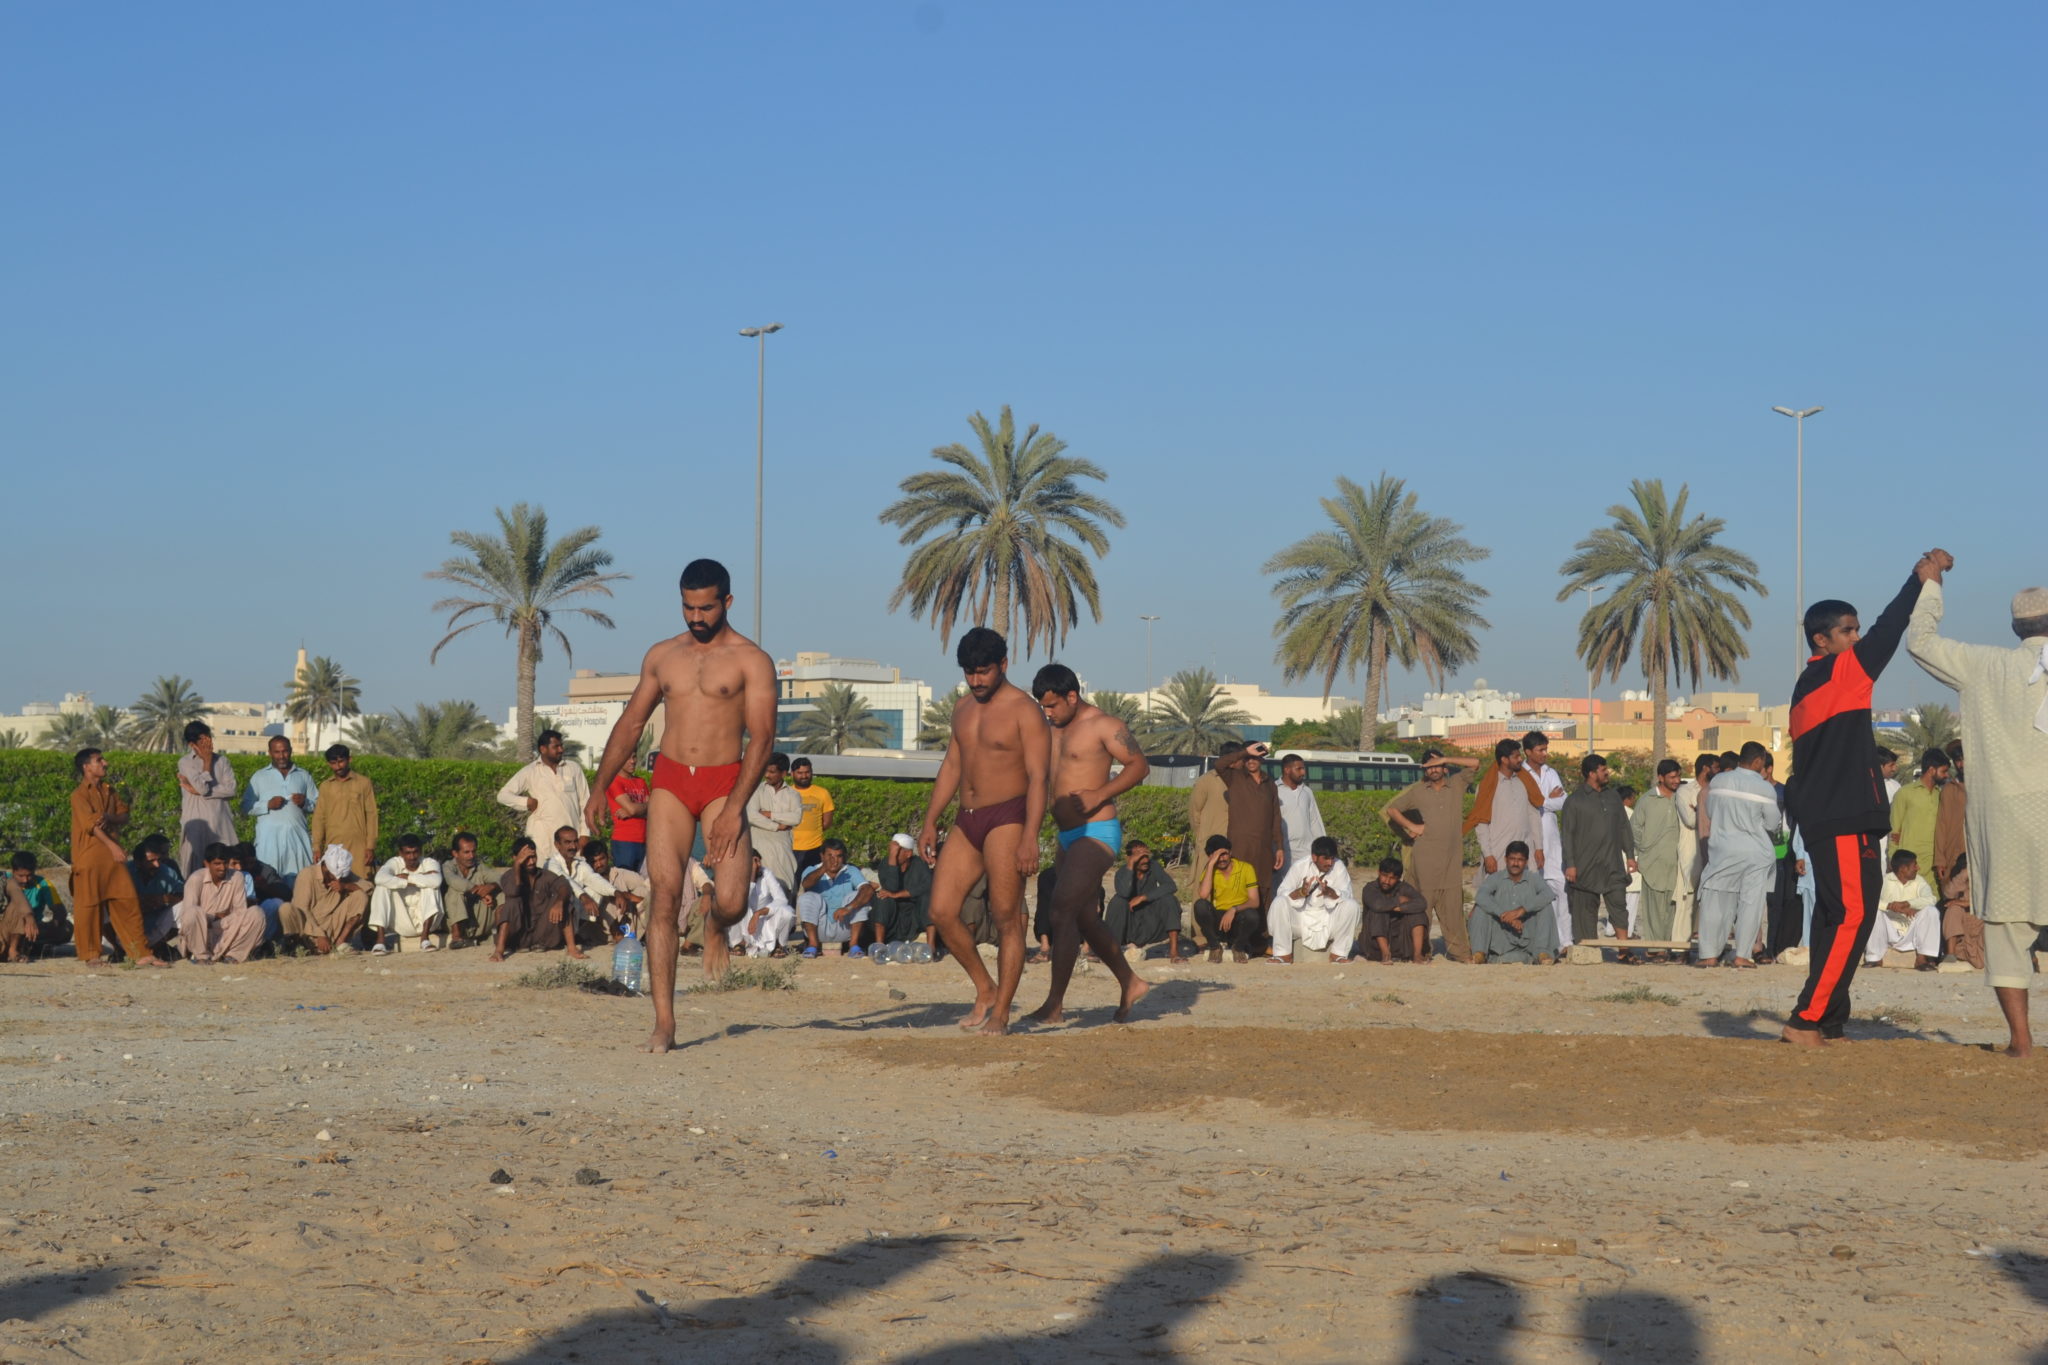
(1918, 931)
(765, 894)
(1553, 791)
(1316, 921)
(406, 903)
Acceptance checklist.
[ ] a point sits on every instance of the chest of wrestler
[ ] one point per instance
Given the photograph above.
(990, 736)
(701, 694)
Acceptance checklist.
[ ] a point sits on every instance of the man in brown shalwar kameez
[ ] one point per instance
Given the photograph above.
(536, 910)
(1429, 815)
(1257, 833)
(346, 812)
(99, 867)
(329, 902)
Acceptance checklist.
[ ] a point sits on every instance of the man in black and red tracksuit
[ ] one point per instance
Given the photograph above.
(1836, 797)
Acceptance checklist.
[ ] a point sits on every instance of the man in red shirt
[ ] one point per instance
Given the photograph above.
(628, 797)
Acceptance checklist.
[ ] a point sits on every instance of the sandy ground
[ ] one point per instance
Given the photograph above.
(1314, 1163)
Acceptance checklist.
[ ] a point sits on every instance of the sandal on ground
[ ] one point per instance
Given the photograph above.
(810, 952)
(427, 945)
(379, 951)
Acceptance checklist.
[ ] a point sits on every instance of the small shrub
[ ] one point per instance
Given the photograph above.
(750, 976)
(1638, 994)
(558, 976)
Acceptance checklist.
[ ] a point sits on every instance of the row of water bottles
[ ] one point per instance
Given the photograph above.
(917, 950)
(629, 963)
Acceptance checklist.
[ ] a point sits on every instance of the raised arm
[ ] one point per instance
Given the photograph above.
(1945, 660)
(1881, 640)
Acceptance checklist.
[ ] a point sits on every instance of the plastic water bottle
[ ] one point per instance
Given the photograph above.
(629, 962)
(920, 951)
(886, 954)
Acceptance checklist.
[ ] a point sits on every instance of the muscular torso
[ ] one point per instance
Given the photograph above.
(703, 697)
(990, 739)
(1080, 761)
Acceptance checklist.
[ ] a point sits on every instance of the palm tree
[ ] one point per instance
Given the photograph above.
(446, 729)
(373, 733)
(13, 739)
(522, 583)
(163, 712)
(1927, 727)
(1123, 706)
(1673, 587)
(1385, 581)
(1192, 715)
(322, 694)
(103, 727)
(839, 719)
(935, 729)
(999, 523)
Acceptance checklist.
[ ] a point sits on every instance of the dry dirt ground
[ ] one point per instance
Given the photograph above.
(1315, 1163)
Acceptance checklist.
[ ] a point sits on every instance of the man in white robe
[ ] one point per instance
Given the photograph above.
(551, 791)
(1907, 920)
(764, 929)
(405, 900)
(1301, 819)
(1536, 762)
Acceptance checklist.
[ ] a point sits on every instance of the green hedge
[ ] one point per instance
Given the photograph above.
(438, 797)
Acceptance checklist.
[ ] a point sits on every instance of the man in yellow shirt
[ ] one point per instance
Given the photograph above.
(1227, 908)
(1917, 809)
(807, 840)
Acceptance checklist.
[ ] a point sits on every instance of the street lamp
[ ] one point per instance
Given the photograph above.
(760, 335)
(1148, 620)
(1799, 417)
(1591, 672)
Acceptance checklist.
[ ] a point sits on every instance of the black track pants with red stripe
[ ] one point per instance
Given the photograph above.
(1845, 884)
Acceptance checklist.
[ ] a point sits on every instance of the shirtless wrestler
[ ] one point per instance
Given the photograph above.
(996, 763)
(1086, 742)
(717, 691)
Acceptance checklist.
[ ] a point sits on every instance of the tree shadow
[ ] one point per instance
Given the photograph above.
(36, 1296)
(1637, 1325)
(2029, 1274)
(1129, 1318)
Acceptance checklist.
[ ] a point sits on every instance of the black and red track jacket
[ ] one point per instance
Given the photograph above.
(1836, 786)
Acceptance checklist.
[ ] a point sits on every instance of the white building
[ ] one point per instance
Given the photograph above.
(1441, 710)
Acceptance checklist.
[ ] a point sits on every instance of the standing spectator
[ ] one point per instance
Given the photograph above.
(551, 792)
(53, 922)
(329, 903)
(628, 796)
(1741, 860)
(1301, 819)
(1512, 912)
(1227, 904)
(100, 886)
(1313, 904)
(406, 898)
(836, 900)
(1952, 819)
(346, 813)
(773, 813)
(281, 797)
(206, 812)
(1209, 804)
(159, 889)
(2004, 695)
(1396, 917)
(1255, 835)
(1659, 832)
(903, 894)
(763, 931)
(216, 923)
(1506, 809)
(1144, 904)
(1429, 816)
(1907, 920)
(1550, 859)
(1888, 768)
(1599, 852)
(1917, 809)
(807, 840)
(469, 892)
(1692, 849)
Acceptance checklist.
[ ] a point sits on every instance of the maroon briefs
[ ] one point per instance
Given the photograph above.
(976, 824)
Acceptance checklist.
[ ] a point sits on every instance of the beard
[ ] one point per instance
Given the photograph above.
(704, 632)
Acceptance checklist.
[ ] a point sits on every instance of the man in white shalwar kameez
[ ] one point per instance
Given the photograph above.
(1907, 921)
(2004, 695)
(1536, 761)
(406, 898)
(764, 929)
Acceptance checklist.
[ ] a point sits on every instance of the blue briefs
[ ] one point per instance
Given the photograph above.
(1109, 833)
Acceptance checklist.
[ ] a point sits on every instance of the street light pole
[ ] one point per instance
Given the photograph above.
(1591, 672)
(1799, 528)
(760, 335)
(1148, 620)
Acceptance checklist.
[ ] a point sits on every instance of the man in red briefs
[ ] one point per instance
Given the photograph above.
(717, 690)
(997, 764)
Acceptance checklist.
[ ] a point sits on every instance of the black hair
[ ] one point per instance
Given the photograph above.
(1902, 856)
(196, 729)
(1506, 748)
(524, 841)
(557, 837)
(1730, 760)
(2027, 627)
(25, 861)
(1704, 763)
(1535, 739)
(1392, 865)
(1286, 759)
(80, 759)
(706, 573)
(1824, 616)
(1229, 747)
(1216, 841)
(1670, 765)
(591, 846)
(779, 760)
(1954, 749)
(1934, 758)
(1133, 845)
(1753, 752)
(1516, 847)
(980, 648)
(1323, 846)
(1885, 756)
(836, 844)
(802, 761)
(460, 835)
(1590, 764)
(546, 735)
(216, 850)
(158, 843)
(411, 841)
(1627, 792)
(336, 753)
(246, 851)
(1055, 678)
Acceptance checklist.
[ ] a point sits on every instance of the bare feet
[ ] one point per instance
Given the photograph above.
(577, 953)
(1799, 1037)
(2015, 1050)
(1173, 961)
(661, 1040)
(151, 961)
(1048, 1013)
(497, 954)
(998, 1023)
(978, 1016)
(717, 956)
(1134, 990)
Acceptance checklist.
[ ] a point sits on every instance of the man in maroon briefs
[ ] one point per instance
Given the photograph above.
(717, 690)
(997, 764)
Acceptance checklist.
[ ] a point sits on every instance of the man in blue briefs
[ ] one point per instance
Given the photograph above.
(1086, 742)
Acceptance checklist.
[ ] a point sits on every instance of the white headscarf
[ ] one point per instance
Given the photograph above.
(338, 861)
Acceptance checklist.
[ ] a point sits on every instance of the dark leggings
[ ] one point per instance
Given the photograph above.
(1076, 913)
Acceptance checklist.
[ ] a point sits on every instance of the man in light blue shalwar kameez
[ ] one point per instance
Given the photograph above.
(282, 797)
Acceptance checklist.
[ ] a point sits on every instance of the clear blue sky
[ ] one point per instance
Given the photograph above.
(292, 291)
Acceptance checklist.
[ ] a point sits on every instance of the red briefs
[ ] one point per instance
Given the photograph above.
(976, 824)
(696, 788)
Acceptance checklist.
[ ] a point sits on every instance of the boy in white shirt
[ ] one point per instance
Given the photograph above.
(1907, 921)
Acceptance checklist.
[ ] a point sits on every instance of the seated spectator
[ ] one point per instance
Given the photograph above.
(53, 921)
(1396, 917)
(1907, 920)
(535, 909)
(18, 927)
(1144, 904)
(835, 901)
(1227, 902)
(764, 930)
(630, 888)
(593, 894)
(1313, 905)
(903, 895)
(1514, 918)
(216, 923)
(469, 893)
(266, 889)
(329, 902)
(1962, 933)
(407, 897)
(159, 886)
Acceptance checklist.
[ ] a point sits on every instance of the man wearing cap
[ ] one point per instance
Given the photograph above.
(1428, 815)
(2004, 695)
(329, 902)
(903, 894)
